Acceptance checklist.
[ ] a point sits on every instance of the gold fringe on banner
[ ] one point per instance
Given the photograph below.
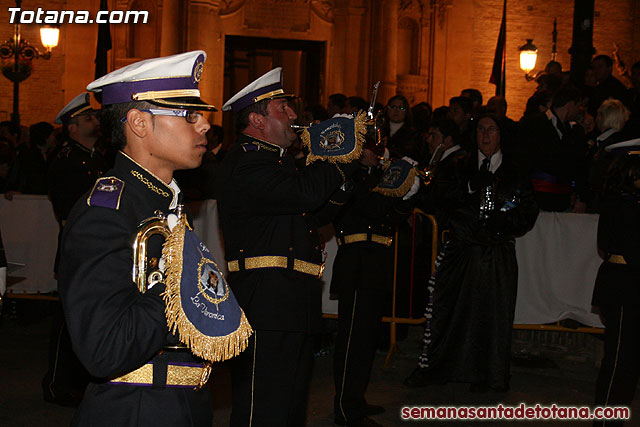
(214, 349)
(360, 130)
(305, 137)
(402, 189)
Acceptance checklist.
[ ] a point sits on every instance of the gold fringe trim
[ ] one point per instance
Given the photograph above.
(360, 130)
(403, 189)
(305, 137)
(213, 349)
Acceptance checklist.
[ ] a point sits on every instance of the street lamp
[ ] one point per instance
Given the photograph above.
(22, 54)
(528, 56)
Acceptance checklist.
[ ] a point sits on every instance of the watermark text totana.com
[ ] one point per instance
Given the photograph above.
(43, 16)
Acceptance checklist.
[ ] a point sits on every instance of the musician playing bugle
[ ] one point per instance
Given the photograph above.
(445, 153)
(363, 275)
(268, 214)
(152, 109)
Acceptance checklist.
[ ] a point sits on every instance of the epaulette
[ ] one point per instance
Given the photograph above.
(250, 146)
(257, 146)
(106, 193)
(66, 150)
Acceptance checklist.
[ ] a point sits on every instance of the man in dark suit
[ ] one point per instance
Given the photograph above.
(273, 252)
(551, 145)
(445, 154)
(608, 86)
(118, 331)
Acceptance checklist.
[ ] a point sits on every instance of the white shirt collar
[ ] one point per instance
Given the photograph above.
(449, 151)
(176, 192)
(494, 162)
(554, 121)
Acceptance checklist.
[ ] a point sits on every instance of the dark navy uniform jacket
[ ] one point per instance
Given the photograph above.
(114, 328)
(266, 208)
(367, 264)
(72, 173)
(619, 234)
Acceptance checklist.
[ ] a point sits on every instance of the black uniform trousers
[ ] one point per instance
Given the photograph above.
(360, 273)
(359, 316)
(620, 369)
(270, 380)
(66, 378)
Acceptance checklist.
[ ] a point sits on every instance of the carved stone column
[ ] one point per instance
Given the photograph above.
(171, 35)
(351, 71)
(386, 53)
(204, 32)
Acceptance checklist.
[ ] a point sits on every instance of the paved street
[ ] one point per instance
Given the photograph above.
(547, 368)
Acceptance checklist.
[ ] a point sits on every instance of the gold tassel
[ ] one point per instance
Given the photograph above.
(306, 139)
(403, 189)
(214, 349)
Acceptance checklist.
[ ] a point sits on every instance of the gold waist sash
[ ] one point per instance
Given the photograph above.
(274, 261)
(178, 375)
(364, 237)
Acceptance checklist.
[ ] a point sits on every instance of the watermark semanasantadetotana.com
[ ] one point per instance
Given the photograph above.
(43, 16)
(519, 412)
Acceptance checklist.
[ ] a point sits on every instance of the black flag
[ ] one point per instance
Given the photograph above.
(498, 73)
(104, 43)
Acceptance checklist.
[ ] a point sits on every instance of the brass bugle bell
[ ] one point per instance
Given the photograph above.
(143, 274)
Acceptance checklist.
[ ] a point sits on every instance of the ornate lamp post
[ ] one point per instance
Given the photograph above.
(528, 57)
(22, 53)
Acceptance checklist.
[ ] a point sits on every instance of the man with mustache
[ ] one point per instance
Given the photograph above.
(269, 211)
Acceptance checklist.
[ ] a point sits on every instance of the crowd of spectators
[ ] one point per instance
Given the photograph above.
(560, 140)
(567, 168)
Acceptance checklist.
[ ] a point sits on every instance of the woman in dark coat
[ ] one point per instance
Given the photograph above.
(402, 138)
(617, 288)
(473, 289)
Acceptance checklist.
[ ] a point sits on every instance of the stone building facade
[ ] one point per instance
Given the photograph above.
(427, 50)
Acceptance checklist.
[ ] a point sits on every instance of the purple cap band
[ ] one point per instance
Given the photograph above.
(247, 100)
(122, 92)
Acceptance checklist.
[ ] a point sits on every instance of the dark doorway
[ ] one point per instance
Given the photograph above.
(247, 58)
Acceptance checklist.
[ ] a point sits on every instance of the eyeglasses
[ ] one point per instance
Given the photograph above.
(191, 116)
(397, 107)
(491, 130)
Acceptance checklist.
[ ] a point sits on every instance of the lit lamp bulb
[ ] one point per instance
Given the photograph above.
(49, 37)
(528, 56)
